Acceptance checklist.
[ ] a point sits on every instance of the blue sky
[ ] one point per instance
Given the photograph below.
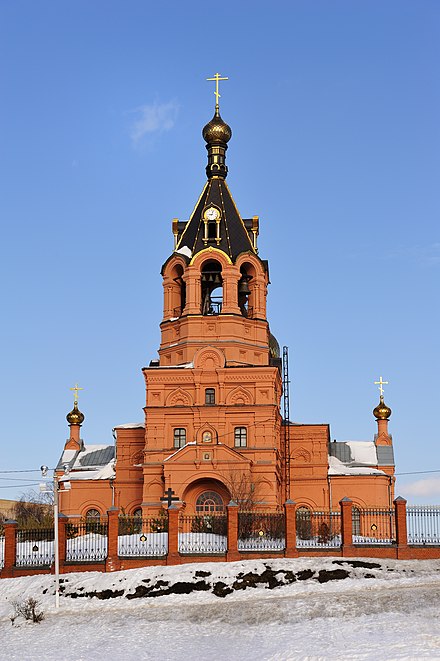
(334, 109)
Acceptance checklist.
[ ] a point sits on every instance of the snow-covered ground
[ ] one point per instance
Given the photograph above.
(383, 610)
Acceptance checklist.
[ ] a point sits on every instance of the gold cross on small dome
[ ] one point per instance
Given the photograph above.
(217, 77)
(75, 389)
(381, 383)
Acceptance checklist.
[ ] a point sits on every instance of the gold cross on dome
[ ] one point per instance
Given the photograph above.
(217, 77)
(381, 383)
(75, 389)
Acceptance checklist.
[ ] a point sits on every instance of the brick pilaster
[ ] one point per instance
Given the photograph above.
(173, 557)
(112, 562)
(10, 551)
(401, 529)
(232, 552)
(346, 526)
(290, 520)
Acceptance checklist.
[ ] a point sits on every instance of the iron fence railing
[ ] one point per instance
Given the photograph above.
(35, 547)
(86, 540)
(142, 537)
(318, 529)
(261, 531)
(203, 533)
(374, 526)
(423, 524)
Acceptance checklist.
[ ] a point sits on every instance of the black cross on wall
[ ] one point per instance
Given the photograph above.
(169, 497)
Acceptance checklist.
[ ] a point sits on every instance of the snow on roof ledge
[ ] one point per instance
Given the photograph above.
(131, 425)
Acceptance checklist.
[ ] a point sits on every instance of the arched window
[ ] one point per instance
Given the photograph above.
(240, 437)
(93, 513)
(93, 520)
(138, 513)
(179, 437)
(209, 501)
(303, 523)
(210, 396)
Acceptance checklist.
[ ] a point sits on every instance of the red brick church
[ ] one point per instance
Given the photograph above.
(212, 428)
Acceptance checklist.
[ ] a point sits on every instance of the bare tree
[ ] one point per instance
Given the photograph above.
(243, 489)
(34, 510)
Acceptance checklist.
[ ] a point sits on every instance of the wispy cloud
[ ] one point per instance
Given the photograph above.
(429, 486)
(425, 255)
(154, 118)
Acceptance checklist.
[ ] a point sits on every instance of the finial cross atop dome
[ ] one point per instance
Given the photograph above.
(381, 383)
(217, 77)
(75, 389)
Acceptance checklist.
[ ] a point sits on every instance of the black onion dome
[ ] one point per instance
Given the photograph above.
(217, 130)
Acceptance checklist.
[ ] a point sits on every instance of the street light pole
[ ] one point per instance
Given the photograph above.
(56, 510)
(57, 549)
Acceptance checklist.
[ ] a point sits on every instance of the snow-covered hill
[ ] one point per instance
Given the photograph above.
(275, 609)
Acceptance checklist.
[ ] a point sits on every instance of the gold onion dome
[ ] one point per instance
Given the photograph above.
(382, 411)
(217, 130)
(75, 417)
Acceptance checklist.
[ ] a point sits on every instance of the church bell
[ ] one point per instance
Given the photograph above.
(243, 286)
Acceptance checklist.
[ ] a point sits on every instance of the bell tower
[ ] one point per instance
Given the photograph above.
(212, 400)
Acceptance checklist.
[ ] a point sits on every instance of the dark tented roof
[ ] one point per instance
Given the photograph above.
(234, 235)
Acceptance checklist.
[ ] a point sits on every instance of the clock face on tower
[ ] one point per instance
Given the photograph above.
(212, 213)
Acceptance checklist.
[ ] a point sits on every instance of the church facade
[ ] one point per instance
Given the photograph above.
(212, 429)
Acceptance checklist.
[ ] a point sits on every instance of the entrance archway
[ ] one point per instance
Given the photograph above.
(206, 496)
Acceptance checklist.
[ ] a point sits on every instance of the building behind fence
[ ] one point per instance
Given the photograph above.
(121, 542)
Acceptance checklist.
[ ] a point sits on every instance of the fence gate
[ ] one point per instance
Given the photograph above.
(35, 547)
(317, 529)
(86, 540)
(258, 531)
(203, 533)
(142, 537)
(375, 526)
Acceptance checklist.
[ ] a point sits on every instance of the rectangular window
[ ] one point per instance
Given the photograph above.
(210, 396)
(179, 437)
(240, 437)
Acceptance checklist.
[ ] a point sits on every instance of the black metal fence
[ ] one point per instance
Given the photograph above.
(142, 537)
(423, 524)
(374, 526)
(318, 529)
(203, 533)
(35, 547)
(258, 531)
(86, 540)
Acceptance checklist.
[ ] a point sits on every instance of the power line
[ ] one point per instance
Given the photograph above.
(32, 470)
(418, 472)
(16, 479)
(16, 486)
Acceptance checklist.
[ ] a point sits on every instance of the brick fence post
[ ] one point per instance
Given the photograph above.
(401, 529)
(173, 557)
(112, 562)
(232, 552)
(10, 551)
(62, 539)
(346, 526)
(290, 519)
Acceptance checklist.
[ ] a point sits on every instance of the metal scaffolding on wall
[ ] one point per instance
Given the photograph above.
(286, 419)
